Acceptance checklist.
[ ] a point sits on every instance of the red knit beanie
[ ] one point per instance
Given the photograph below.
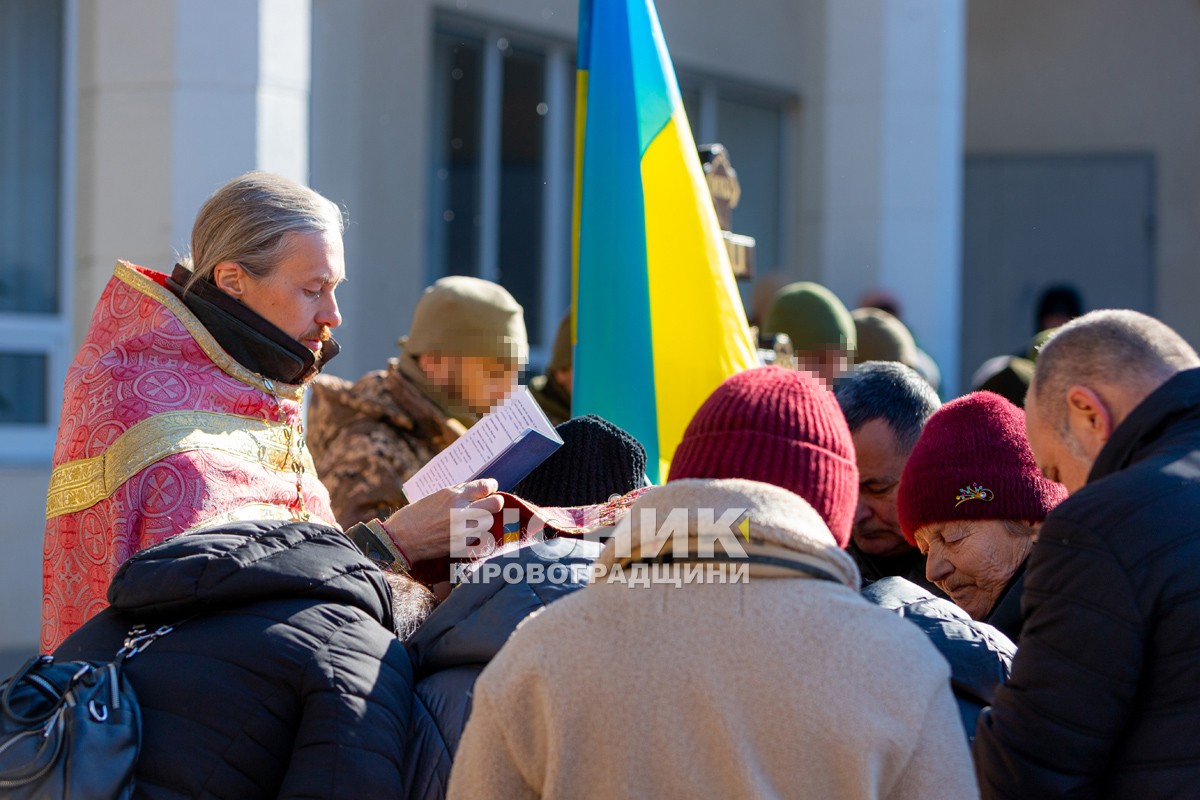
(777, 426)
(973, 462)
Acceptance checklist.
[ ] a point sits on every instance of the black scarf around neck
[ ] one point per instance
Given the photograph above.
(251, 340)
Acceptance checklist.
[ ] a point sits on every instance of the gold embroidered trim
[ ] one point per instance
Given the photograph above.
(250, 511)
(84, 482)
(140, 283)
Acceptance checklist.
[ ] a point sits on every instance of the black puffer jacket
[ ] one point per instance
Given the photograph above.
(462, 636)
(979, 654)
(288, 683)
(1104, 698)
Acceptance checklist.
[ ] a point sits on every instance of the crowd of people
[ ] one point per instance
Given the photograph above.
(844, 588)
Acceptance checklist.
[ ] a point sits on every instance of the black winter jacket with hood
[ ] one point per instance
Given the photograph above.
(1104, 699)
(285, 680)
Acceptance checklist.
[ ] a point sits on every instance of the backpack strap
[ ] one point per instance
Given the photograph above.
(138, 639)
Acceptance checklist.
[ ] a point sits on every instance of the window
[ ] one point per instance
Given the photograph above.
(500, 204)
(33, 314)
(503, 150)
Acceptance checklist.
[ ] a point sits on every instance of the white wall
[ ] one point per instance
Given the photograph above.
(890, 112)
(370, 124)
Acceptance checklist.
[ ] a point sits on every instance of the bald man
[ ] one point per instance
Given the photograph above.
(1103, 699)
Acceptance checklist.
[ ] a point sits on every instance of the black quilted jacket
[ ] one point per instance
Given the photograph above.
(979, 654)
(288, 682)
(1104, 696)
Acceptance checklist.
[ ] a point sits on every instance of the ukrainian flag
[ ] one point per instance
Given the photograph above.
(658, 320)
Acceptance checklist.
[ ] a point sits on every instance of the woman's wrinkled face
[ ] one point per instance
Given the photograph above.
(972, 561)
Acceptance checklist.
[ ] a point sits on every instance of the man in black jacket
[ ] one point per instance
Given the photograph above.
(1103, 700)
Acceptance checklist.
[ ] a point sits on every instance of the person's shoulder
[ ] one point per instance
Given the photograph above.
(111, 360)
(330, 637)
(881, 629)
(326, 387)
(844, 619)
(573, 612)
(1148, 496)
(334, 389)
(545, 635)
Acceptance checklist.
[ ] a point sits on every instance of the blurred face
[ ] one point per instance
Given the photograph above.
(876, 528)
(972, 561)
(298, 295)
(1059, 455)
(828, 364)
(476, 382)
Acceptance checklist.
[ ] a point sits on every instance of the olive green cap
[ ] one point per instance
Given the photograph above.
(464, 316)
(1035, 344)
(1011, 381)
(882, 337)
(812, 316)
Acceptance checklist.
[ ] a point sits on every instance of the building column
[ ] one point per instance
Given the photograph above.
(890, 112)
(175, 98)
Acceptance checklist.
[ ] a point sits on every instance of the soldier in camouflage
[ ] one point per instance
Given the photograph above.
(464, 351)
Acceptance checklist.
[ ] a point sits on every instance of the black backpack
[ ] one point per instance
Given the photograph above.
(72, 729)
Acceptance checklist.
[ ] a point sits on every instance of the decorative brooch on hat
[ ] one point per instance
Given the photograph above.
(974, 492)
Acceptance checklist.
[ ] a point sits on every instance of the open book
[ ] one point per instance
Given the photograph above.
(506, 445)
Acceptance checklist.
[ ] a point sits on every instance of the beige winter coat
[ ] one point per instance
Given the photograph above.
(782, 685)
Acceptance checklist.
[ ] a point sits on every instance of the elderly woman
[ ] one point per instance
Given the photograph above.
(972, 499)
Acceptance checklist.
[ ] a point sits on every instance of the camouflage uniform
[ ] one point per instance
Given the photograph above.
(552, 398)
(369, 437)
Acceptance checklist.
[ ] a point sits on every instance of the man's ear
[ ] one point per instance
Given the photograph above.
(1088, 418)
(436, 367)
(230, 278)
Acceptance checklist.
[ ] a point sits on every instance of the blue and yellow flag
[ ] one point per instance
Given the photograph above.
(658, 320)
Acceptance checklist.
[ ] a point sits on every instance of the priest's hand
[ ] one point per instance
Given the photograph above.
(422, 529)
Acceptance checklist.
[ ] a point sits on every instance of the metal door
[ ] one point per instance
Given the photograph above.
(1033, 221)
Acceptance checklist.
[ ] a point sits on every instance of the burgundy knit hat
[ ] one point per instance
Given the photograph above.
(777, 426)
(973, 462)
